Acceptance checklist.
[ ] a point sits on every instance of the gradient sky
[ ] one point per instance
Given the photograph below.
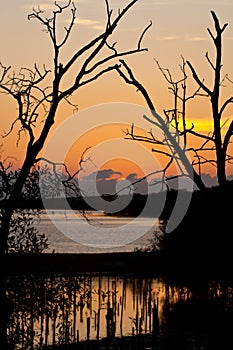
(179, 28)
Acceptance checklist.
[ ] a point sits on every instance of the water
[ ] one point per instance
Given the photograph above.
(61, 310)
(70, 232)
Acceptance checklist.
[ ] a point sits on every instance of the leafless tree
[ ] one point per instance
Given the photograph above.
(218, 137)
(175, 151)
(174, 126)
(177, 115)
(39, 91)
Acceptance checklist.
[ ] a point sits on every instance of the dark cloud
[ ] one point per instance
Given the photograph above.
(132, 177)
(107, 179)
(102, 175)
(107, 174)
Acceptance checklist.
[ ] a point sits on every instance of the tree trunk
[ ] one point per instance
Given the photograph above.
(221, 168)
(220, 153)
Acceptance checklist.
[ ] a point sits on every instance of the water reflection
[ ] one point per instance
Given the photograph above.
(62, 310)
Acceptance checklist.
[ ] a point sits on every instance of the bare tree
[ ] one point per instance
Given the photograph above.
(175, 118)
(38, 100)
(220, 139)
(175, 150)
(177, 115)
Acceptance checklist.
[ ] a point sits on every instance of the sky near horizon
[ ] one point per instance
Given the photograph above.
(179, 28)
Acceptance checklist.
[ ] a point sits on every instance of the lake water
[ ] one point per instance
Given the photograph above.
(70, 232)
(61, 310)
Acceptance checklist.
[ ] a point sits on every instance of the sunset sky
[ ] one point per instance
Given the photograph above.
(179, 28)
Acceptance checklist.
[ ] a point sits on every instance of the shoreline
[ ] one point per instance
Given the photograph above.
(138, 263)
(47, 263)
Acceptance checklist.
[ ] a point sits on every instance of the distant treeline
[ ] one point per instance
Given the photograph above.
(152, 205)
(51, 203)
(148, 205)
(212, 200)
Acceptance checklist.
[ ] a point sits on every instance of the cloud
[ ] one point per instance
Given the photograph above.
(99, 27)
(50, 6)
(101, 182)
(105, 182)
(86, 22)
(132, 177)
(90, 23)
(188, 38)
(169, 38)
(106, 174)
(166, 38)
(197, 38)
(43, 5)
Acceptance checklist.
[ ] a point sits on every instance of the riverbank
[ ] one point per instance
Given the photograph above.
(121, 262)
(136, 263)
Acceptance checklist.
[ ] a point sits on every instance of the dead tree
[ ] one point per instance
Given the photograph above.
(38, 101)
(177, 115)
(175, 118)
(220, 139)
(171, 137)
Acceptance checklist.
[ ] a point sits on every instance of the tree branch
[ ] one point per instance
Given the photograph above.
(101, 38)
(199, 82)
(225, 104)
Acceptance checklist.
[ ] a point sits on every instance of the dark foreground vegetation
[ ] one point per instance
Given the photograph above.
(44, 296)
(203, 240)
(204, 237)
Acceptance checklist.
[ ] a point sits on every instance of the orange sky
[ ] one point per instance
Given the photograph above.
(178, 28)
